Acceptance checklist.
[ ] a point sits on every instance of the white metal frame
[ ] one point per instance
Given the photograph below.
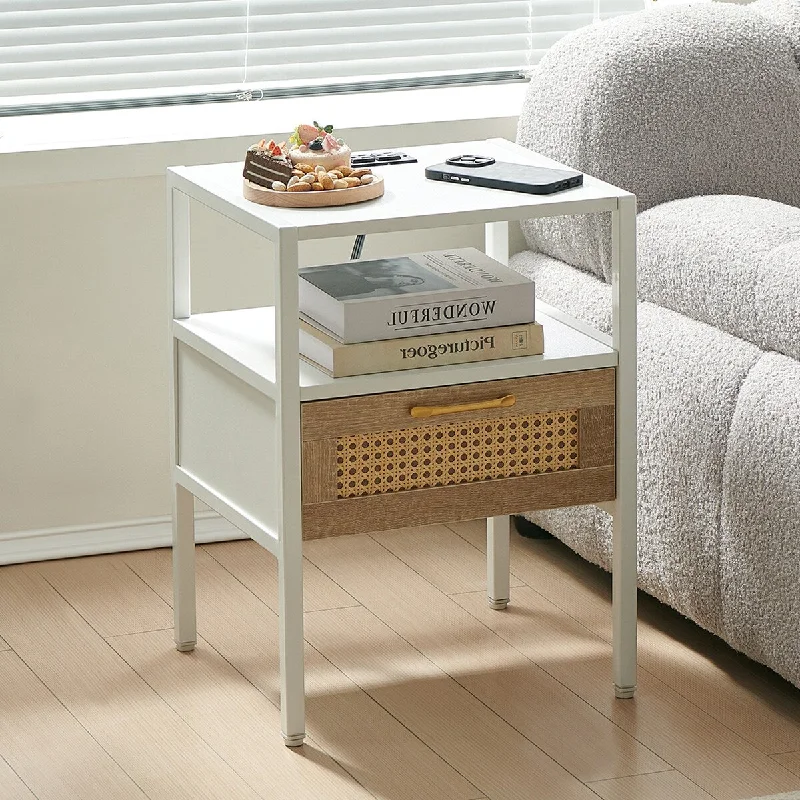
(284, 539)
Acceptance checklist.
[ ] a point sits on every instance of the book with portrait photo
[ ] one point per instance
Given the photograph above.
(423, 293)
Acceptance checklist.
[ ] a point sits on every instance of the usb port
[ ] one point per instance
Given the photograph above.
(464, 180)
(454, 177)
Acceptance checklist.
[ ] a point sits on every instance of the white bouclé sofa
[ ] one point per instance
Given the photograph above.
(696, 110)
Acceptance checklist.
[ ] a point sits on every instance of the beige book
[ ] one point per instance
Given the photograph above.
(327, 352)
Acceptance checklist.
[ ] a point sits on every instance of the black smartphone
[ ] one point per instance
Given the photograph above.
(485, 171)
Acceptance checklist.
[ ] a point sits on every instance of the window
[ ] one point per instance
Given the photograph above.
(70, 54)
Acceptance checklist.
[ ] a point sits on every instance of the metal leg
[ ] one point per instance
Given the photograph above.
(290, 535)
(290, 600)
(498, 564)
(497, 528)
(183, 572)
(180, 300)
(624, 564)
(496, 241)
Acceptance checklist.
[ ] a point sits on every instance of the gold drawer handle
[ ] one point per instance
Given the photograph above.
(420, 412)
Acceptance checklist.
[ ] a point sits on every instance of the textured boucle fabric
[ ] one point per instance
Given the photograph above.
(672, 103)
(689, 380)
(760, 538)
(785, 13)
(578, 293)
(731, 261)
(719, 472)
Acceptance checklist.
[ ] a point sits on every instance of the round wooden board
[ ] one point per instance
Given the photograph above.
(331, 197)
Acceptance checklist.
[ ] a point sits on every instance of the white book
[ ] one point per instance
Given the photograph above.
(424, 293)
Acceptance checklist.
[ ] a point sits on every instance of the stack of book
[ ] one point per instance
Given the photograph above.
(421, 310)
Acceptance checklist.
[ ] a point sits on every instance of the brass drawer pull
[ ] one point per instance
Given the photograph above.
(421, 412)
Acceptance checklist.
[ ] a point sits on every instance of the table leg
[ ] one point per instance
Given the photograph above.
(183, 571)
(496, 241)
(290, 534)
(497, 528)
(624, 558)
(180, 299)
(498, 564)
(290, 609)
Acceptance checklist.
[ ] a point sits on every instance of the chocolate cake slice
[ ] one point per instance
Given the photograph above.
(262, 169)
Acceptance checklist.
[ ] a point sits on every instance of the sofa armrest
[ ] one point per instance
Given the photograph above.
(672, 103)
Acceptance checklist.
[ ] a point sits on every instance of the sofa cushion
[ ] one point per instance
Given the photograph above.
(689, 379)
(577, 293)
(688, 383)
(730, 261)
(761, 518)
(677, 102)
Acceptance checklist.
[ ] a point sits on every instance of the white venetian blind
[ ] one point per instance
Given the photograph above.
(100, 51)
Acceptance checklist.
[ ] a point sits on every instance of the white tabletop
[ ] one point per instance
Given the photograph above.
(410, 201)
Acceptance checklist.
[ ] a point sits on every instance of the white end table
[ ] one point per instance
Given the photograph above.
(260, 436)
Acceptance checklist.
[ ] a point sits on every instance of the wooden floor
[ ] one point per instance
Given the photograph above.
(417, 690)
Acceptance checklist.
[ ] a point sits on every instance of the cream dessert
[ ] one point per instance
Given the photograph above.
(316, 145)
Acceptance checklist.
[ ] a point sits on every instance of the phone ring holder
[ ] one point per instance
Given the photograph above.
(470, 161)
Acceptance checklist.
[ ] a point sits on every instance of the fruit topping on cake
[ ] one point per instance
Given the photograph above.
(315, 144)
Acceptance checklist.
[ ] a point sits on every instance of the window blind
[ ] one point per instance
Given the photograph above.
(85, 52)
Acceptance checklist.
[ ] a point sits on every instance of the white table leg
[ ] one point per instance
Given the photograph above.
(183, 571)
(496, 241)
(498, 563)
(290, 541)
(625, 511)
(497, 528)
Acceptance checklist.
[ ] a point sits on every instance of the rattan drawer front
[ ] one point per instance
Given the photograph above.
(458, 503)
(553, 446)
(456, 452)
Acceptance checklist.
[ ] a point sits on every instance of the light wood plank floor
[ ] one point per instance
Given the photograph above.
(417, 690)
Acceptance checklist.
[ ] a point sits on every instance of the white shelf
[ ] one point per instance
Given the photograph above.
(243, 342)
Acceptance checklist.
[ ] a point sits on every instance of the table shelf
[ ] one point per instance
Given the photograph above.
(243, 342)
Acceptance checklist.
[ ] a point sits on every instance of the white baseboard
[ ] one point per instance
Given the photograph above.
(116, 537)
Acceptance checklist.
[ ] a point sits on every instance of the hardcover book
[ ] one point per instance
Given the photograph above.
(329, 353)
(433, 292)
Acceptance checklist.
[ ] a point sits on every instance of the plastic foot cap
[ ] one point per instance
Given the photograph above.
(185, 647)
(497, 605)
(295, 740)
(624, 692)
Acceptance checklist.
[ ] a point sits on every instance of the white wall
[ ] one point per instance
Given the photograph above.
(83, 337)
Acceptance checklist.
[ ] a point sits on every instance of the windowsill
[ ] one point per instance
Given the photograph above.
(103, 145)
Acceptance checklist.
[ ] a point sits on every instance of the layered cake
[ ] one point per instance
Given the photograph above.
(316, 145)
(265, 164)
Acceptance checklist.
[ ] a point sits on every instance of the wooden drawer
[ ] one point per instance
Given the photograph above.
(371, 463)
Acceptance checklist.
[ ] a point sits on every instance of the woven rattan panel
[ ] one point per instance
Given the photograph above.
(453, 452)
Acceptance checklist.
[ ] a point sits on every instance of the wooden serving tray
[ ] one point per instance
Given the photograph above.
(331, 197)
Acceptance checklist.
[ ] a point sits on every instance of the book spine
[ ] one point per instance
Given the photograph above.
(450, 312)
(437, 350)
